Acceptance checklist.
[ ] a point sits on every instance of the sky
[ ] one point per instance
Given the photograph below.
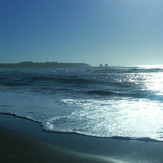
(117, 32)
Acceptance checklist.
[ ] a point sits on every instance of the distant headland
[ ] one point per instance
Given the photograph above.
(30, 64)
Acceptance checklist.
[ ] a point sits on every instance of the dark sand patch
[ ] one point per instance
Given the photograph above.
(15, 147)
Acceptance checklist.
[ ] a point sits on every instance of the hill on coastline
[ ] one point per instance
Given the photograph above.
(29, 64)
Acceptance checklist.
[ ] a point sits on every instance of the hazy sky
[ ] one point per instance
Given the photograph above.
(117, 32)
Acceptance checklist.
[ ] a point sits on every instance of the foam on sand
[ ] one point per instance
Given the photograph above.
(27, 142)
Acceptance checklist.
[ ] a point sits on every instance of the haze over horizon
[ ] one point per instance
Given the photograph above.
(82, 31)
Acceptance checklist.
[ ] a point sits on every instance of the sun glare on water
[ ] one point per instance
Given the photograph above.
(153, 81)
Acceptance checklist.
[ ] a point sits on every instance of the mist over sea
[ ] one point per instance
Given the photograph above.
(122, 102)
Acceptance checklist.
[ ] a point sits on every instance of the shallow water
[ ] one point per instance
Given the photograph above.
(125, 102)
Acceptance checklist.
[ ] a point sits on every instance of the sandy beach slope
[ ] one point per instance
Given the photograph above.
(15, 147)
(22, 140)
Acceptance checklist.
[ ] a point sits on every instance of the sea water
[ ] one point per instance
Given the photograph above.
(122, 102)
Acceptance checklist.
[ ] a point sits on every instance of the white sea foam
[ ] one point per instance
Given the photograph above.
(123, 118)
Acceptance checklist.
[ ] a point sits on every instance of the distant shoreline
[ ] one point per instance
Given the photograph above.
(29, 64)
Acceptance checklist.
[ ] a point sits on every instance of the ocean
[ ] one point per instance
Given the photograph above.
(121, 102)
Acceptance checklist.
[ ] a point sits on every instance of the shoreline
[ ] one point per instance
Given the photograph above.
(145, 139)
(106, 149)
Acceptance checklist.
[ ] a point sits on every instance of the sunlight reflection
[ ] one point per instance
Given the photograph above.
(154, 82)
(151, 66)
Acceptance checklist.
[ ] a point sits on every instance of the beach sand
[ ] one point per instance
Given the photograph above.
(22, 140)
(15, 147)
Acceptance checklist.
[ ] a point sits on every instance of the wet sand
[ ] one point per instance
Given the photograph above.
(22, 140)
(15, 147)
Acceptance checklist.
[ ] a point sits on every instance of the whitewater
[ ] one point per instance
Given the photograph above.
(121, 102)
